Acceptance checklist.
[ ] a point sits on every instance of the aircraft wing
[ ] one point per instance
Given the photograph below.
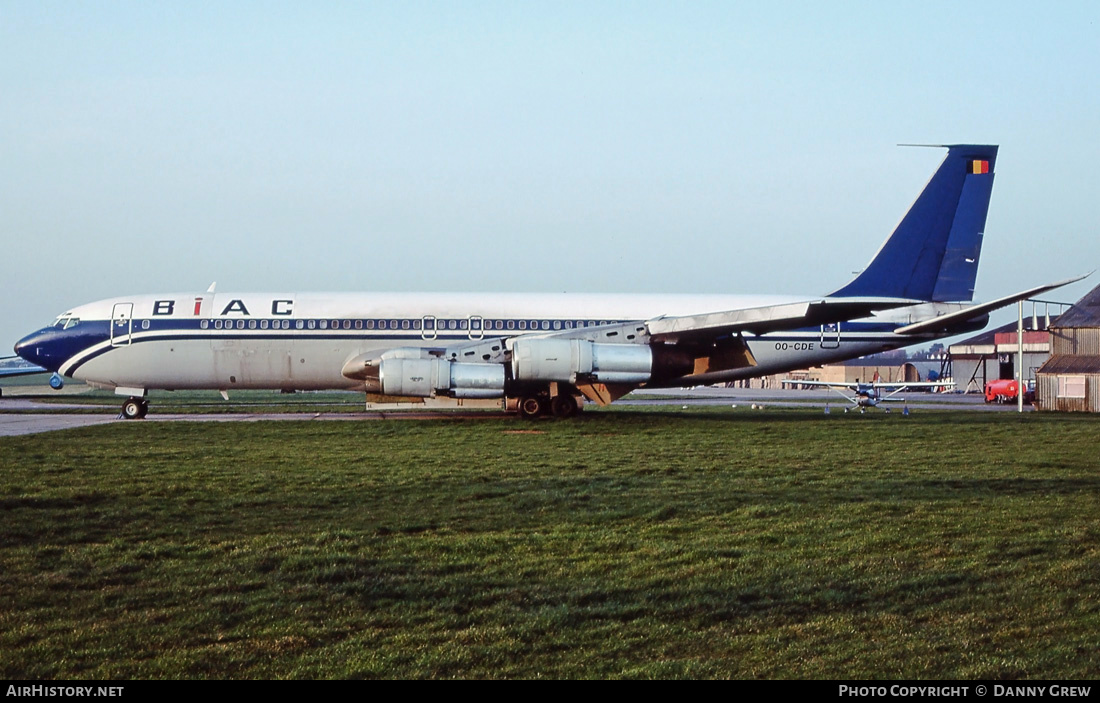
(15, 366)
(704, 343)
(825, 384)
(913, 384)
(944, 323)
(769, 318)
(877, 385)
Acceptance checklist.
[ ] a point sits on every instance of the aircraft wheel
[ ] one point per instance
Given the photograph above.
(134, 409)
(564, 406)
(530, 407)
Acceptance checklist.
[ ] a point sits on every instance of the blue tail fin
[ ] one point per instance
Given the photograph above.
(933, 253)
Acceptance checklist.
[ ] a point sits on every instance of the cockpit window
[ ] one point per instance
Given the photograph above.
(66, 321)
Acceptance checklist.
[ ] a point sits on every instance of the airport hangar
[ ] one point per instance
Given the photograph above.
(991, 355)
(1070, 379)
(1061, 357)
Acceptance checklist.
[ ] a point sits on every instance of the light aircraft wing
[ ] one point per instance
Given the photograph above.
(877, 385)
(824, 384)
(912, 384)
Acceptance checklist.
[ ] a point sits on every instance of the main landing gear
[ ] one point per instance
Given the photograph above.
(563, 405)
(531, 406)
(135, 408)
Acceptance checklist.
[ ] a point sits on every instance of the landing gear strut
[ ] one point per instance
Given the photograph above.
(135, 408)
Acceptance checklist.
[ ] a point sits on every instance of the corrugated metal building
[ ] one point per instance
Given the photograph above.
(867, 369)
(891, 367)
(991, 355)
(1070, 381)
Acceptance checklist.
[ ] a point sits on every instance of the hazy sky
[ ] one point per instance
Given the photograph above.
(652, 147)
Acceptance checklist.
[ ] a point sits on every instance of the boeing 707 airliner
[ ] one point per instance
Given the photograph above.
(544, 352)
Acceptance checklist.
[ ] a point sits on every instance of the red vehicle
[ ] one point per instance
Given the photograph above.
(1003, 391)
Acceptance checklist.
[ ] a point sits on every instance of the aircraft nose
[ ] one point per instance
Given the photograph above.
(24, 346)
(33, 349)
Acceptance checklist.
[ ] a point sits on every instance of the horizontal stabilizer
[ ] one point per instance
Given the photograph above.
(944, 323)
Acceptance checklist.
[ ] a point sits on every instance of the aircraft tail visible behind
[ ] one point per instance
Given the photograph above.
(933, 253)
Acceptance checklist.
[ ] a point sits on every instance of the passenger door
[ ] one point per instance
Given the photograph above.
(122, 324)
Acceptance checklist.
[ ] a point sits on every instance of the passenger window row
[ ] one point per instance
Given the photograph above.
(428, 324)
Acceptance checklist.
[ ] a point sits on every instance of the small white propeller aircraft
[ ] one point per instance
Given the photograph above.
(869, 395)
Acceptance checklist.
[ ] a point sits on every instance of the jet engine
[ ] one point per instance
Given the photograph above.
(574, 360)
(427, 377)
(423, 373)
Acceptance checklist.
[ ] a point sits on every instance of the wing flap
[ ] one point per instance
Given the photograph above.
(734, 354)
(604, 394)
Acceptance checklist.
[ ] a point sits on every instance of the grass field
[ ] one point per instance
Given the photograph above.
(712, 543)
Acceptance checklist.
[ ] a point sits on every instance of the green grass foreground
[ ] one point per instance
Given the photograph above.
(625, 544)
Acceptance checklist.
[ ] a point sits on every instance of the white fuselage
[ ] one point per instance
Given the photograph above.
(301, 341)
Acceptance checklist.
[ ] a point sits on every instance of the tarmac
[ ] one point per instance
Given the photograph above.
(23, 416)
(708, 395)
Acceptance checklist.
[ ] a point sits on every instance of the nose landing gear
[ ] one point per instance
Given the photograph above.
(135, 408)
